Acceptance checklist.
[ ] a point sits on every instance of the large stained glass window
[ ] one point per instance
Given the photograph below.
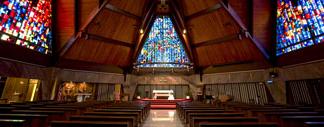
(27, 23)
(300, 23)
(162, 47)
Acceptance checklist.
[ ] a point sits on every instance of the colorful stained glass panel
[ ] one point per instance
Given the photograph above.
(163, 47)
(300, 24)
(27, 23)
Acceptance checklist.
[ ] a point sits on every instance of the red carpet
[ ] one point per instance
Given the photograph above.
(163, 103)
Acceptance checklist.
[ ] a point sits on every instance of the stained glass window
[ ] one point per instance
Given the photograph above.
(27, 23)
(162, 47)
(300, 23)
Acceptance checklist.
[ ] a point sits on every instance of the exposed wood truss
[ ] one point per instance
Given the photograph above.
(73, 39)
(204, 12)
(219, 40)
(147, 22)
(121, 11)
(235, 17)
(108, 40)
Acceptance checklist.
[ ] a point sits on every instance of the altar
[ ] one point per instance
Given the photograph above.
(163, 93)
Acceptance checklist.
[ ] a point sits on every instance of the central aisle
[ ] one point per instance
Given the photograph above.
(163, 118)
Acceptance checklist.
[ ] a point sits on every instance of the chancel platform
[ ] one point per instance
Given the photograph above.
(164, 103)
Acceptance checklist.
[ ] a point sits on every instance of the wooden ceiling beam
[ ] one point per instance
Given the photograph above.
(238, 20)
(179, 16)
(108, 40)
(146, 24)
(121, 11)
(74, 38)
(140, 24)
(218, 40)
(204, 12)
(180, 26)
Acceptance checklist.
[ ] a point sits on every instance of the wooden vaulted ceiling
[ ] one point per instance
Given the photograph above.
(106, 32)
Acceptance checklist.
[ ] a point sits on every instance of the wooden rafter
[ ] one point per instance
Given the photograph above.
(204, 12)
(147, 22)
(183, 22)
(237, 19)
(179, 26)
(140, 25)
(121, 11)
(218, 40)
(74, 38)
(108, 40)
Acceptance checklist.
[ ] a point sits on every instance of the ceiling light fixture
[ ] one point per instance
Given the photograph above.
(141, 31)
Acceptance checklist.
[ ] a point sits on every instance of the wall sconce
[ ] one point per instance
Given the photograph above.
(184, 31)
(141, 31)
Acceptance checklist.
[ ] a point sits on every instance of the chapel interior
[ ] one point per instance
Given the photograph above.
(161, 63)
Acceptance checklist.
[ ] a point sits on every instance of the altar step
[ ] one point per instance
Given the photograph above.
(163, 103)
(159, 106)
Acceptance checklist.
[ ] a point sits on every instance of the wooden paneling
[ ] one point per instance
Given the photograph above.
(241, 7)
(193, 6)
(85, 9)
(229, 52)
(215, 25)
(65, 21)
(113, 25)
(99, 52)
(212, 26)
(132, 6)
(263, 24)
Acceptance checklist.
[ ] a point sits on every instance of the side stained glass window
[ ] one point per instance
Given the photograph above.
(300, 23)
(163, 47)
(27, 23)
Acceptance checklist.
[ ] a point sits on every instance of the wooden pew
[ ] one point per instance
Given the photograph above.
(238, 124)
(145, 109)
(185, 115)
(13, 123)
(183, 109)
(34, 120)
(314, 124)
(132, 120)
(194, 114)
(298, 121)
(52, 115)
(88, 124)
(123, 110)
(275, 116)
(260, 112)
(68, 111)
(134, 114)
(196, 120)
(6, 109)
(80, 109)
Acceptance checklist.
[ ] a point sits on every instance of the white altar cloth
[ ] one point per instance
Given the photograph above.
(168, 93)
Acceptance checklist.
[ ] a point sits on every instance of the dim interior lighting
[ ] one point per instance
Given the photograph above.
(141, 31)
